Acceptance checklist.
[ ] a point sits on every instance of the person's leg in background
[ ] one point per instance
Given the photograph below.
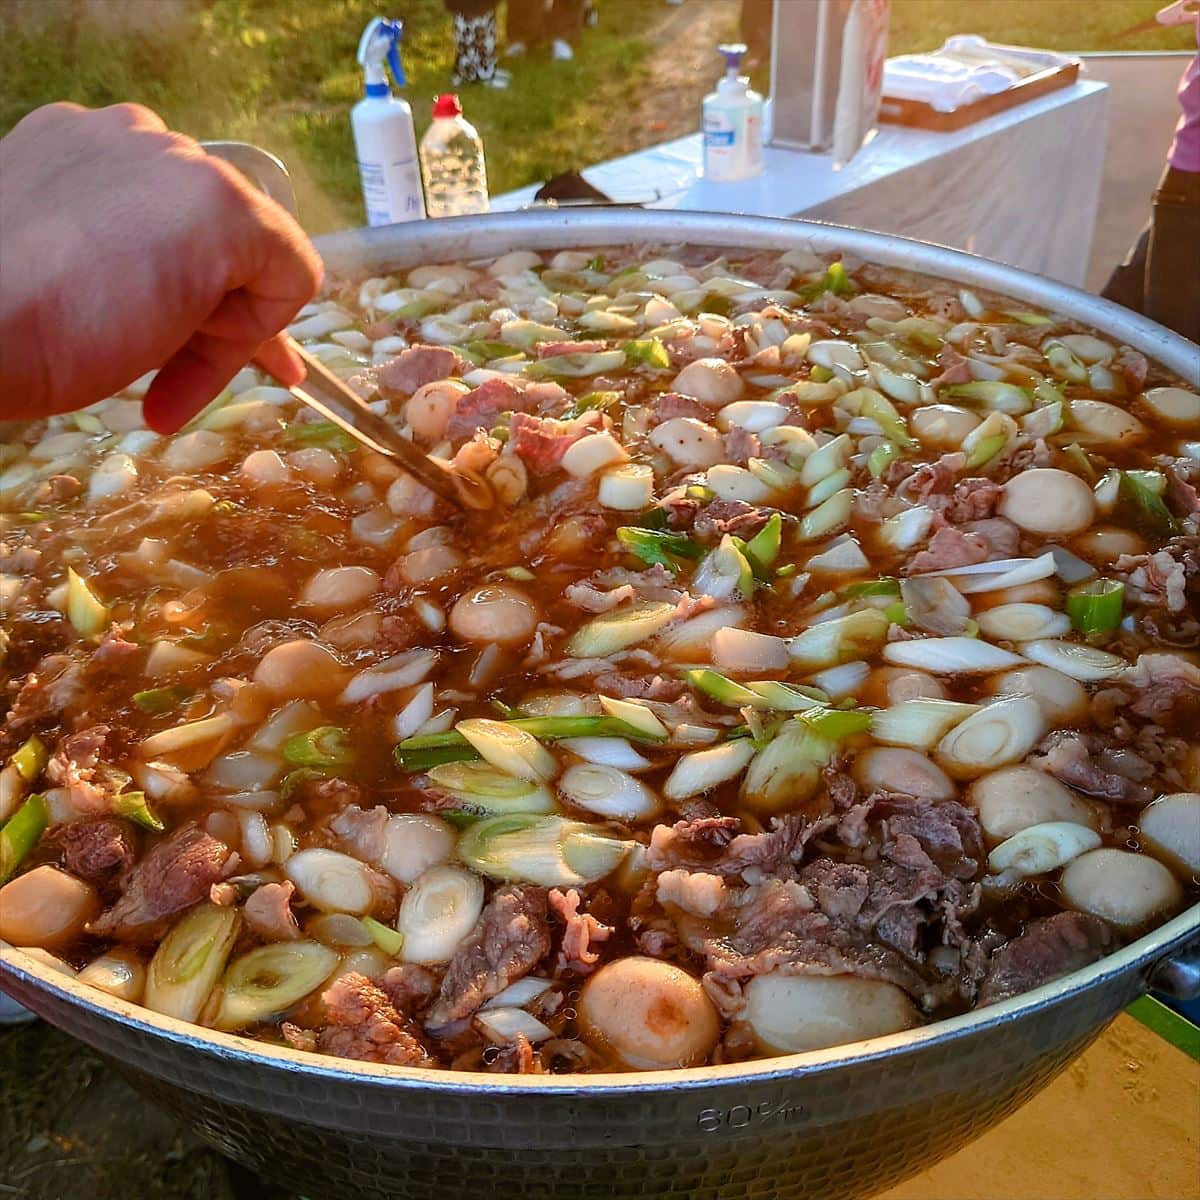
(475, 49)
(1126, 286)
(525, 25)
(1173, 256)
(565, 24)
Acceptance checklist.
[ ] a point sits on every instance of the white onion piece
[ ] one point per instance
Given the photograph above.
(607, 792)
(919, 724)
(997, 567)
(412, 843)
(1070, 568)
(1041, 567)
(753, 415)
(1023, 622)
(518, 994)
(950, 656)
(705, 769)
(332, 881)
(509, 749)
(507, 1024)
(627, 488)
(1040, 849)
(593, 453)
(437, 912)
(691, 640)
(414, 714)
(845, 680)
(1002, 732)
(399, 671)
(1081, 662)
(607, 752)
(908, 529)
(745, 650)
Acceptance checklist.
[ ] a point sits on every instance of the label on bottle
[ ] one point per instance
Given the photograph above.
(732, 142)
(392, 191)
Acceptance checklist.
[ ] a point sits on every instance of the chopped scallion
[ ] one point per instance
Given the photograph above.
(133, 806)
(649, 351)
(1096, 606)
(321, 433)
(836, 723)
(389, 940)
(325, 746)
(161, 700)
(652, 546)
(1145, 507)
(30, 759)
(880, 457)
(886, 586)
(20, 834)
(763, 548)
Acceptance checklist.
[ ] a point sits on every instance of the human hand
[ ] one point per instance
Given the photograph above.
(124, 247)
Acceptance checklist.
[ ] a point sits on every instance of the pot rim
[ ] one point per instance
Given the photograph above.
(389, 247)
(1145, 952)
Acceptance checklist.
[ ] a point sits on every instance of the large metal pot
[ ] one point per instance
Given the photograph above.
(838, 1123)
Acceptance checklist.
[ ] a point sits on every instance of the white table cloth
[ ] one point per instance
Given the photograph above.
(1022, 187)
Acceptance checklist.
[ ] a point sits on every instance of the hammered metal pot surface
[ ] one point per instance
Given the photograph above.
(834, 1124)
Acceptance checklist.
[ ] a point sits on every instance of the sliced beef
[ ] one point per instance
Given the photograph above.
(512, 936)
(418, 365)
(558, 349)
(1049, 948)
(1134, 366)
(597, 600)
(935, 479)
(639, 687)
(81, 763)
(712, 845)
(581, 933)
(973, 500)
(947, 834)
(1168, 578)
(670, 405)
(950, 547)
(96, 850)
(268, 912)
(655, 583)
(1080, 761)
(517, 1058)
(541, 443)
(695, 892)
(364, 1025)
(410, 987)
(955, 368)
(777, 927)
(741, 445)
(479, 409)
(1167, 691)
(44, 695)
(177, 873)
(720, 517)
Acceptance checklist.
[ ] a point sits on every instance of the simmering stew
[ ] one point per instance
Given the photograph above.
(826, 665)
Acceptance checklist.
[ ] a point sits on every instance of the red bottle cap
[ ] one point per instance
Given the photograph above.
(447, 106)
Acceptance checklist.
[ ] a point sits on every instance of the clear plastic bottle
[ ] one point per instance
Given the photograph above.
(452, 163)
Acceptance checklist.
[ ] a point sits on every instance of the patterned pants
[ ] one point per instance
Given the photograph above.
(475, 48)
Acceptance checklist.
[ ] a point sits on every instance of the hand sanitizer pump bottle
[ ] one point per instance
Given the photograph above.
(733, 124)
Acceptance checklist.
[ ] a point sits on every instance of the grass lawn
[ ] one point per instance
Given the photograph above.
(282, 72)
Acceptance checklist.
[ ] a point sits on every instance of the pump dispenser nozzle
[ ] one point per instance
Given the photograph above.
(379, 44)
(732, 52)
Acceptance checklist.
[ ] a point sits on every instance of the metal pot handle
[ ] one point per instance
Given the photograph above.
(260, 167)
(1178, 975)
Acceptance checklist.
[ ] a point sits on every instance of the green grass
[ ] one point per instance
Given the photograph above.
(282, 73)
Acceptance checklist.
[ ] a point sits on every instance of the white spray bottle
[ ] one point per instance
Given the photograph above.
(733, 123)
(384, 139)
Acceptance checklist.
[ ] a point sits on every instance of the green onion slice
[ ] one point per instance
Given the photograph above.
(836, 723)
(155, 701)
(326, 746)
(1096, 606)
(20, 834)
(652, 547)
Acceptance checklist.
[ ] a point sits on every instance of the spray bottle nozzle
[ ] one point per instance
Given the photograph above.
(732, 52)
(380, 43)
